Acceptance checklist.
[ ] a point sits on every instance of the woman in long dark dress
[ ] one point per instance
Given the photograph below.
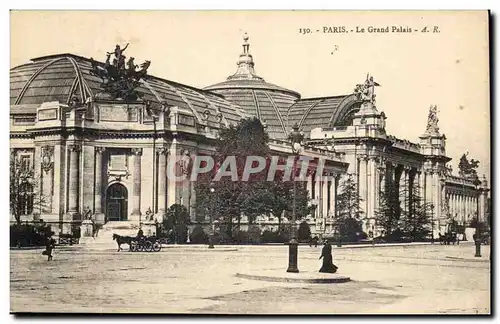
(326, 254)
(49, 246)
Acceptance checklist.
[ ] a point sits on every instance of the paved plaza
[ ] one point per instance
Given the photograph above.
(421, 279)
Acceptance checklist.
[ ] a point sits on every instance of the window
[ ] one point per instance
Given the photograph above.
(25, 163)
(25, 200)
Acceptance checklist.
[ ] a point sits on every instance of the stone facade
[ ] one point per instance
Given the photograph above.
(112, 157)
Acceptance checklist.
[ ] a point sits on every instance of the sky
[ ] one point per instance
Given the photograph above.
(448, 68)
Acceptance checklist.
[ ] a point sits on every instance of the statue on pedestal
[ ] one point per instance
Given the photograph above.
(432, 121)
(120, 79)
(87, 213)
(366, 91)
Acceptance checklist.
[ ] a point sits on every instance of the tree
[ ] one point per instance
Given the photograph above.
(176, 221)
(25, 197)
(304, 232)
(281, 199)
(389, 211)
(348, 210)
(416, 215)
(227, 200)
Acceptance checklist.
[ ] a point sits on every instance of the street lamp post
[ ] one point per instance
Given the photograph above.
(477, 241)
(432, 223)
(211, 237)
(296, 139)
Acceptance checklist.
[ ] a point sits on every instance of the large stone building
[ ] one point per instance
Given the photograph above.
(102, 150)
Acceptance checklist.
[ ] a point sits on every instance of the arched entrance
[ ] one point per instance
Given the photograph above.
(116, 202)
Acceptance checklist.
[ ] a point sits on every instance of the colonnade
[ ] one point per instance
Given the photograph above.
(463, 206)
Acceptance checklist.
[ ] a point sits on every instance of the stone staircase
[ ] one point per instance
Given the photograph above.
(104, 239)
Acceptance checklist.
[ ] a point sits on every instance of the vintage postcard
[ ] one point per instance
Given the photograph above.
(250, 162)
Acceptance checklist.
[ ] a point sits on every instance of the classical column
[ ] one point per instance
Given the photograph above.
(317, 194)
(429, 188)
(402, 189)
(324, 200)
(333, 195)
(136, 198)
(74, 167)
(421, 183)
(363, 183)
(382, 179)
(482, 205)
(309, 186)
(437, 194)
(162, 181)
(171, 181)
(372, 187)
(466, 211)
(460, 208)
(192, 201)
(98, 184)
(407, 171)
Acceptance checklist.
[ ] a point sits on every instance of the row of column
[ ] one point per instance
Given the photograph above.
(324, 191)
(462, 207)
(73, 183)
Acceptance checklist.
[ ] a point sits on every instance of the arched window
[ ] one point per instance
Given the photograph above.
(25, 199)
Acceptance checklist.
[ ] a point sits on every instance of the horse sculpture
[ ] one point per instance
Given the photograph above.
(122, 240)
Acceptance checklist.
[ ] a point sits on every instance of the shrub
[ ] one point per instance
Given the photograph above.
(221, 238)
(269, 237)
(240, 237)
(254, 234)
(29, 235)
(304, 232)
(182, 233)
(198, 235)
(285, 233)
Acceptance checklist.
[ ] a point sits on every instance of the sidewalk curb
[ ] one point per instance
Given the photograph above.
(336, 279)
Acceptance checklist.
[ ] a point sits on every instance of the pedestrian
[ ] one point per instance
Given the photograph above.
(50, 243)
(326, 254)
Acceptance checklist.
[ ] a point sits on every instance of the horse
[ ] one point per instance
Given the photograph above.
(122, 240)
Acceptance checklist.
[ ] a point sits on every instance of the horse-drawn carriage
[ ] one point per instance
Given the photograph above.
(449, 237)
(139, 243)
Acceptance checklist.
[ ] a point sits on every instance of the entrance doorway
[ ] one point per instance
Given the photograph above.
(116, 202)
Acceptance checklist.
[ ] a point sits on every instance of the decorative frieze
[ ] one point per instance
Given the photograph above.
(47, 158)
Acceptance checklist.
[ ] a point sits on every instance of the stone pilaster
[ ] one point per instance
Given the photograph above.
(382, 170)
(162, 181)
(372, 187)
(363, 180)
(74, 167)
(171, 181)
(192, 203)
(98, 214)
(136, 195)
(47, 174)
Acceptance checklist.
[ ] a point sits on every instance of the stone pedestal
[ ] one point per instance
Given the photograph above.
(67, 221)
(87, 228)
